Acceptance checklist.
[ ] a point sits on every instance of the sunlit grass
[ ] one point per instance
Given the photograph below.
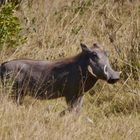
(54, 30)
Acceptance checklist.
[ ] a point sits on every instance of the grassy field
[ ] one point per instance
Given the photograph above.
(54, 29)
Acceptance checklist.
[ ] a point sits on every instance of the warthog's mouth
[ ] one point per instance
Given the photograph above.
(112, 81)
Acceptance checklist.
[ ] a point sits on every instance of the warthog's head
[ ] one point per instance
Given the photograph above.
(99, 64)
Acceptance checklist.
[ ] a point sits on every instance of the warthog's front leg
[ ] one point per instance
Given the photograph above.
(74, 104)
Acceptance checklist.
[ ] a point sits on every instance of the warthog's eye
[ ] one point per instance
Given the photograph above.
(94, 56)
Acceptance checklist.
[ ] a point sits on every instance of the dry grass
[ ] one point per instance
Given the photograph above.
(54, 30)
(107, 115)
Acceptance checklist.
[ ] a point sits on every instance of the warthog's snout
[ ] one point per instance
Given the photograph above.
(114, 77)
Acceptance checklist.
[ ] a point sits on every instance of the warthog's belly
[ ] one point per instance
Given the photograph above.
(45, 94)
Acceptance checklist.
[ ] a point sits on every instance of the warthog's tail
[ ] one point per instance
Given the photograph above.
(2, 71)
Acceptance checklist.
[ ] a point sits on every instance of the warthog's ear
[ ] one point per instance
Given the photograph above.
(84, 48)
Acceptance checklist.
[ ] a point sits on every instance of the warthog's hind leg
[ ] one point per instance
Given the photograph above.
(19, 92)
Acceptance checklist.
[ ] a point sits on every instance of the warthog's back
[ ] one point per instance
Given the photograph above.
(44, 78)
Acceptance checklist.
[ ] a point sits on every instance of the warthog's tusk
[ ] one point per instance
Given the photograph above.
(105, 69)
(90, 70)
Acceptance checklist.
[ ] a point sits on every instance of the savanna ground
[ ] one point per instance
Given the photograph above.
(54, 29)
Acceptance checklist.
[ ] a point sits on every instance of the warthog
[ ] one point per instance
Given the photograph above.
(68, 78)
